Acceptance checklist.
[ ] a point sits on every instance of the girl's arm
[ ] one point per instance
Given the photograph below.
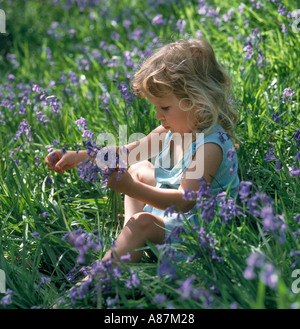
(164, 198)
(147, 147)
(60, 162)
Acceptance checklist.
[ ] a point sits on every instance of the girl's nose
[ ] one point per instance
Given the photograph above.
(159, 115)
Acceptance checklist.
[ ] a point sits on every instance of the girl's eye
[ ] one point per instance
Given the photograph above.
(165, 108)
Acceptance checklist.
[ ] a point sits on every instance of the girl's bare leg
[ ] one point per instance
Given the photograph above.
(138, 226)
(143, 172)
(138, 229)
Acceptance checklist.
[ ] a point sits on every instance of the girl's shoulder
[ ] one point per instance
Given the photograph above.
(217, 135)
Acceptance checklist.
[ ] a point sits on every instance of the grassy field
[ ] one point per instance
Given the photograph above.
(61, 61)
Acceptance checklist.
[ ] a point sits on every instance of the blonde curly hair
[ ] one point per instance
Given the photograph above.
(189, 70)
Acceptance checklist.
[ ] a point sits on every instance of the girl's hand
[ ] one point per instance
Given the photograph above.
(120, 182)
(60, 162)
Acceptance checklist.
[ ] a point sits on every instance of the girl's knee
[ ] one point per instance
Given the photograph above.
(141, 220)
(148, 226)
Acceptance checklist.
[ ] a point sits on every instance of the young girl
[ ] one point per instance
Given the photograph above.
(190, 91)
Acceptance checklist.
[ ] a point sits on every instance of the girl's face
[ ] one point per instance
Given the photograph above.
(171, 116)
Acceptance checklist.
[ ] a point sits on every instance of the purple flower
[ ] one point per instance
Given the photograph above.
(283, 28)
(36, 235)
(282, 9)
(36, 89)
(126, 257)
(296, 136)
(208, 207)
(126, 24)
(255, 260)
(181, 23)
(185, 290)
(268, 273)
(126, 93)
(275, 117)
(81, 123)
(158, 20)
(112, 301)
(136, 34)
(45, 215)
(188, 195)
(228, 208)
(25, 129)
(297, 218)
(44, 280)
(249, 52)
(270, 276)
(296, 256)
(159, 299)
(83, 242)
(37, 160)
(287, 95)
(278, 166)
(133, 281)
(297, 157)
(270, 156)
(41, 117)
(294, 172)
(166, 269)
(251, 48)
(7, 300)
(169, 211)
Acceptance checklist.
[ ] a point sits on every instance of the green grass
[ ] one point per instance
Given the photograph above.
(33, 55)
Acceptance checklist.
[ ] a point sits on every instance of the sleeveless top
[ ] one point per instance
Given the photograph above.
(226, 176)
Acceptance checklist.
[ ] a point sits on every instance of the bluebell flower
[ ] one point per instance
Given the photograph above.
(287, 95)
(185, 290)
(297, 157)
(244, 190)
(270, 276)
(295, 254)
(159, 299)
(158, 20)
(44, 280)
(45, 214)
(278, 166)
(126, 257)
(270, 156)
(83, 242)
(282, 9)
(36, 235)
(24, 128)
(7, 299)
(112, 301)
(294, 172)
(166, 268)
(133, 281)
(254, 261)
(169, 211)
